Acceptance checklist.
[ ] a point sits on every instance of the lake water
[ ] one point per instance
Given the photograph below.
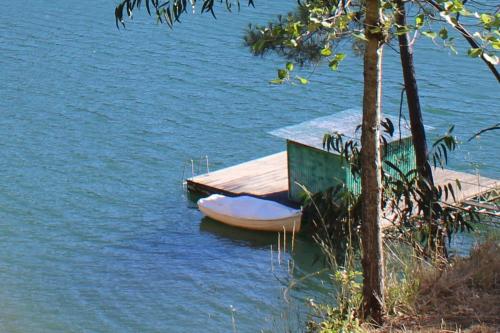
(96, 232)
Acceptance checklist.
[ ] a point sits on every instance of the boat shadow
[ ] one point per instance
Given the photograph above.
(255, 239)
(306, 253)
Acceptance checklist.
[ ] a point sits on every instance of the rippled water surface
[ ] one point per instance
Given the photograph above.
(96, 232)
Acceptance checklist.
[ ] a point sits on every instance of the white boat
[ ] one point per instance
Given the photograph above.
(251, 213)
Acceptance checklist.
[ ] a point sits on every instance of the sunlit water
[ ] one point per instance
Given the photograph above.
(96, 232)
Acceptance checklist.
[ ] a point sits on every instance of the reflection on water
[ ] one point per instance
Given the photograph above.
(239, 236)
(305, 254)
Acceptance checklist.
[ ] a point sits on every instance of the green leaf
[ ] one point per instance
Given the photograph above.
(455, 6)
(334, 64)
(340, 56)
(276, 81)
(486, 19)
(360, 36)
(302, 80)
(430, 34)
(289, 66)
(419, 21)
(474, 52)
(401, 30)
(282, 73)
(326, 52)
(449, 44)
(443, 33)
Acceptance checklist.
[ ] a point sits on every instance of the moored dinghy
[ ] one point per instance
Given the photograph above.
(251, 213)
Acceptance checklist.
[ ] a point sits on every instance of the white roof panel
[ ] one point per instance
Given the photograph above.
(311, 132)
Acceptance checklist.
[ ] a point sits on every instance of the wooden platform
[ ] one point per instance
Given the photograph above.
(267, 177)
(470, 185)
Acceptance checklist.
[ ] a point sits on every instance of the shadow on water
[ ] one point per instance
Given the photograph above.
(306, 254)
(239, 236)
(192, 199)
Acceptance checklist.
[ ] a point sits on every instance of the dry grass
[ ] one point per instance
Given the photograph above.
(442, 328)
(466, 293)
(462, 297)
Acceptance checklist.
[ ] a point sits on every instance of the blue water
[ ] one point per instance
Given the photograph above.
(96, 232)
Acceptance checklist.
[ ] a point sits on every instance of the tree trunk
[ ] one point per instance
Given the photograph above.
(416, 121)
(371, 178)
(436, 236)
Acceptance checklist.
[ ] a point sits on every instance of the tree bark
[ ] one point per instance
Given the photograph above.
(371, 178)
(415, 112)
(436, 236)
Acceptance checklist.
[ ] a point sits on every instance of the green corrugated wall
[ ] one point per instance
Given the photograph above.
(318, 170)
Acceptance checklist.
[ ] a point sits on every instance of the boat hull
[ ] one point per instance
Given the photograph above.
(290, 224)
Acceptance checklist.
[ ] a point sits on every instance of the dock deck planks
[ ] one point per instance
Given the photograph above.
(470, 185)
(267, 177)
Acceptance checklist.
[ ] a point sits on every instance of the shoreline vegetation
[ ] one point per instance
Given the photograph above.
(462, 294)
(457, 295)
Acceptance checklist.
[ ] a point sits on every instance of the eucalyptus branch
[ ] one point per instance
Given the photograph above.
(470, 39)
(494, 127)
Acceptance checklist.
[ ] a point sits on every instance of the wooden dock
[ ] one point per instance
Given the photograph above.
(267, 177)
